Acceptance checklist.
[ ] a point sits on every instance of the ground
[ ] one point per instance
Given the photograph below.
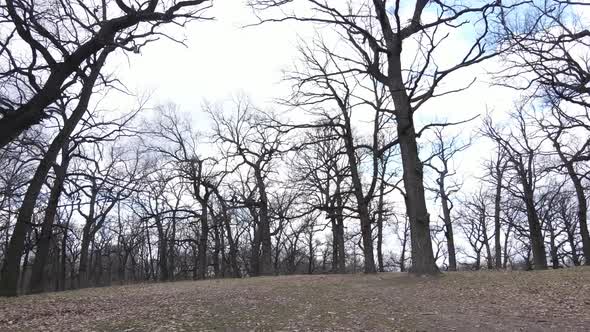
(544, 300)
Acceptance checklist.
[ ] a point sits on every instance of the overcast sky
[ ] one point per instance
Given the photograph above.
(222, 59)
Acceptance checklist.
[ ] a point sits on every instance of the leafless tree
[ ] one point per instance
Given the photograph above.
(565, 132)
(522, 146)
(377, 34)
(444, 149)
(250, 139)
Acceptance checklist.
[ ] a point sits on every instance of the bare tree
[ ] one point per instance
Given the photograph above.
(377, 34)
(250, 139)
(495, 172)
(521, 147)
(562, 130)
(444, 150)
(547, 53)
(474, 222)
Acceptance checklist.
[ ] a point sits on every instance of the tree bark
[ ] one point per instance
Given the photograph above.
(84, 253)
(448, 224)
(362, 201)
(204, 236)
(535, 232)
(39, 275)
(499, 170)
(380, 212)
(266, 267)
(582, 212)
(164, 274)
(423, 261)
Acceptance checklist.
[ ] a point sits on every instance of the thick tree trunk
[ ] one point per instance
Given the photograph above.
(204, 236)
(582, 212)
(64, 245)
(335, 243)
(448, 225)
(224, 260)
(164, 274)
(84, 253)
(341, 248)
(172, 249)
(423, 261)
(23, 271)
(255, 251)
(39, 275)
(266, 267)
(535, 232)
(233, 250)
(497, 228)
(497, 211)
(506, 253)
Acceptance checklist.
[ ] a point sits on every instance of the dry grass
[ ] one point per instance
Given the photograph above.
(548, 300)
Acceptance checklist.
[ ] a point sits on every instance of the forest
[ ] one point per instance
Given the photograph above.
(350, 171)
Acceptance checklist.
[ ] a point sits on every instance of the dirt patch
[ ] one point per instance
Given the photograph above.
(537, 301)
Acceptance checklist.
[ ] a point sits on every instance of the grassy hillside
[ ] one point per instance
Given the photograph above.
(547, 300)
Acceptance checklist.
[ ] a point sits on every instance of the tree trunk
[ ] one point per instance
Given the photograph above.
(506, 253)
(204, 236)
(537, 240)
(64, 245)
(172, 248)
(362, 202)
(571, 239)
(423, 261)
(552, 246)
(335, 244)
(266, 267)
(39, 275)
(255, 252)
(497, 212)
(164, 274)
(448, 224)
(83, 266)
(233, 250)
(23, 271)
(380, 213)
(340, 228)
(582, 212)
(217, 249)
